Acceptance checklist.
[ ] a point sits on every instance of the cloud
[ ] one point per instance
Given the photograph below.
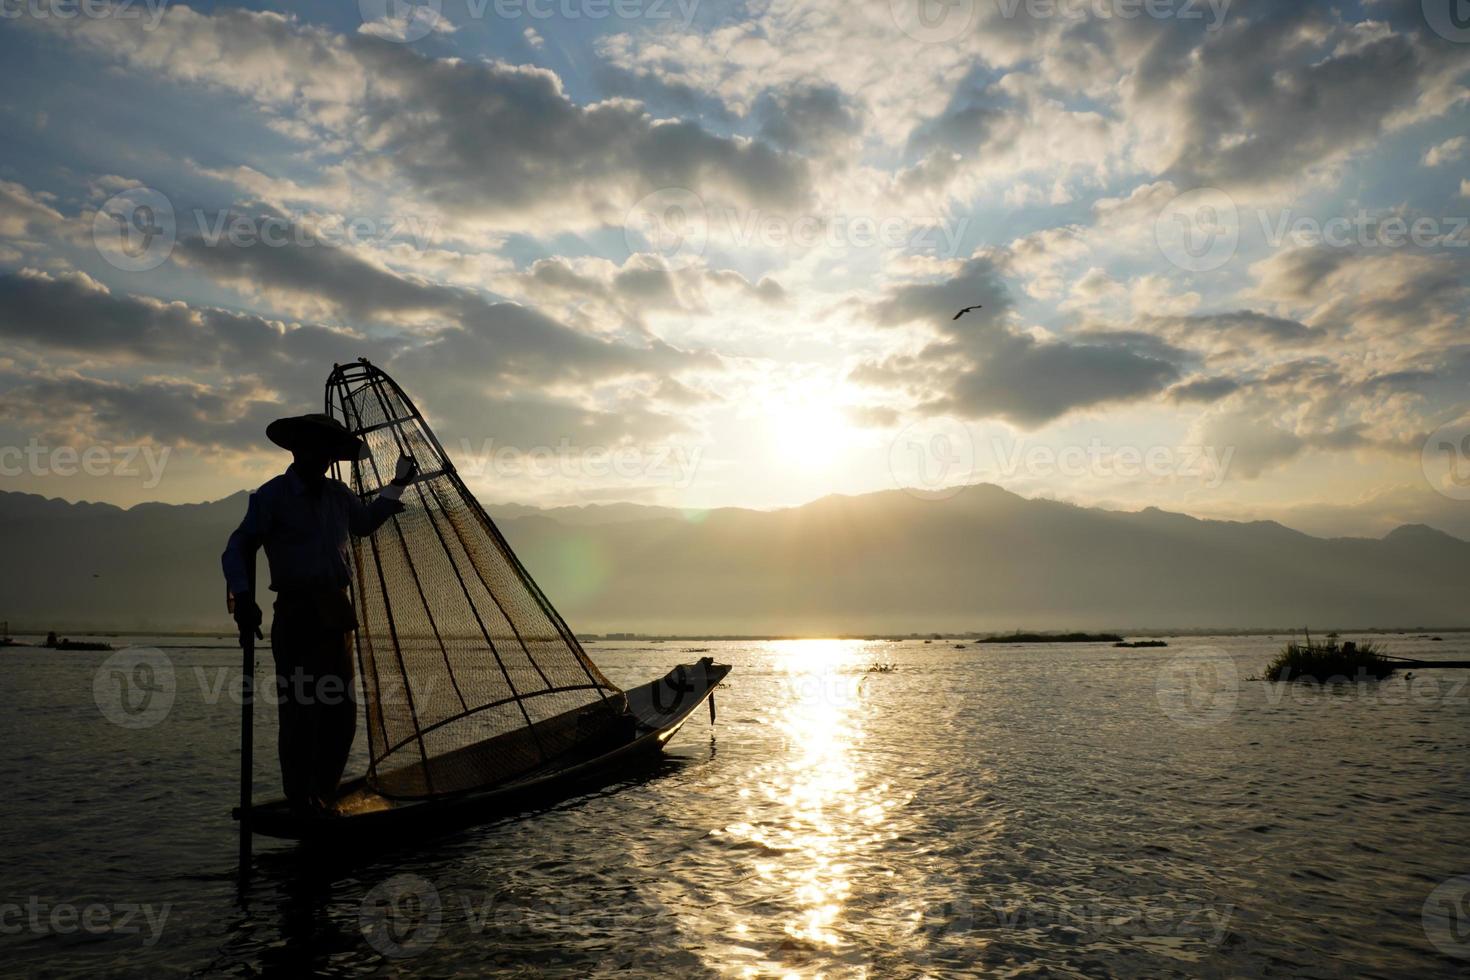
(1447, 152)
(641, 286)
(512, 363)
(1411, 298)
(808, 119)
(980, 367)
(1238, 333)
(1031, 382)
(1203, 389)
(173, 412)
(1255, 441)
(334, 190)
(494, 142)
(76, 314)
(1282, 89)
(24, 214)
(317, 277)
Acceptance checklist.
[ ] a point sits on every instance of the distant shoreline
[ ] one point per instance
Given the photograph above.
(1027, 637)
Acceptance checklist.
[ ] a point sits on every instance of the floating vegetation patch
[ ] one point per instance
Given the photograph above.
(1053, 638)
(1330, 661)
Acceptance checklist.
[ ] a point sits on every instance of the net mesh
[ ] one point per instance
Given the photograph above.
(470, 677)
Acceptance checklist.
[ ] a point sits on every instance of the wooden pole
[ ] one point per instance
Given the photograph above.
(247, 745)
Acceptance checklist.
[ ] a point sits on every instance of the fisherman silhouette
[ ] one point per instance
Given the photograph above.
(303, 519)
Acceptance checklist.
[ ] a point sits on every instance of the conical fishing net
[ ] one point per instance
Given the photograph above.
(470, 677)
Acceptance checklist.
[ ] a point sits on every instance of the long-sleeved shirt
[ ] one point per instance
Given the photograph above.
(304, 534)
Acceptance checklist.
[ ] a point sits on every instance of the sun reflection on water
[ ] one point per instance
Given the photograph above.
(813, 810)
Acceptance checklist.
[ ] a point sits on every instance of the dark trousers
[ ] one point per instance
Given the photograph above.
(311, 641)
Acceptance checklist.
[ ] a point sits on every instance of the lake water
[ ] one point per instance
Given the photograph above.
(1016, 811)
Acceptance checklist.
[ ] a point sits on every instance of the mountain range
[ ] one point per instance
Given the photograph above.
(982, 559)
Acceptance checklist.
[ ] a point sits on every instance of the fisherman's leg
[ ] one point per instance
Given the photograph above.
(290, 645)
(336, 717)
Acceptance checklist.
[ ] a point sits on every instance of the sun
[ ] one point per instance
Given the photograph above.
(808, 435)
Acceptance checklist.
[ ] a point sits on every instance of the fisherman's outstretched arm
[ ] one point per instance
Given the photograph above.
(364, 519)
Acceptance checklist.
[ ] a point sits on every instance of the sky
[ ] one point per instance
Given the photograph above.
(705, 254)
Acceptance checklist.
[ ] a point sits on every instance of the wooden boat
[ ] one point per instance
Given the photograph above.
(479, 699)
(658, 710)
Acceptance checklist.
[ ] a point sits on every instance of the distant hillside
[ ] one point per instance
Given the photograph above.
(885, 562)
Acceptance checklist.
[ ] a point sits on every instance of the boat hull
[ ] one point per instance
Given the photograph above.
(659, 708)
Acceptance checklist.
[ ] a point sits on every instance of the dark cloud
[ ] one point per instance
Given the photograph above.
(1376, 292)
(661, 95)
(230, 416)
(310, 269)
(476, 138)
(984, 368)
(1398, 381)
(1281, 87)
(500, 139)
(1204, 390)
(640, 287)
(1031, 382)
(515, 345)
(76, 314)
(810, 119)
(971, 119)
(1248, 330)
(496, 362)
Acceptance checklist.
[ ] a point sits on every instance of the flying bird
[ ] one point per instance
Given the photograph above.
(966, 310)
